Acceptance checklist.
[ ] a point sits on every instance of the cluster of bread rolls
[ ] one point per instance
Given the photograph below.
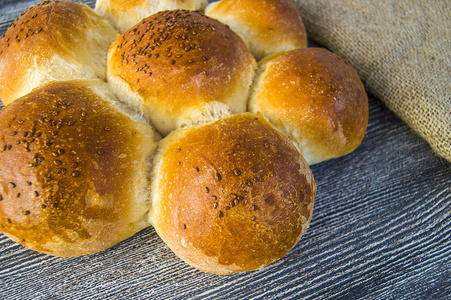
(149, 112)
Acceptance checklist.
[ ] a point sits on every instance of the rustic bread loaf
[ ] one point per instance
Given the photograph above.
(57, 40)
(181, 68)
(315, 98)
(226, 190)
(267, 26)
(231, 196)
(74, 169)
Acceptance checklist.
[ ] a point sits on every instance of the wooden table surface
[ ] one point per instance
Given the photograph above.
(380, 230)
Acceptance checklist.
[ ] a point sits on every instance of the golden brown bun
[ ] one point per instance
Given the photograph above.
(74, 169)
(55, 40)
(267, 26)
(124, 14)
(231, 196)
(181, 68)
(315, 98)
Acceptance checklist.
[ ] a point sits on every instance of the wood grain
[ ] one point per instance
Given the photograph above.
(380, 230)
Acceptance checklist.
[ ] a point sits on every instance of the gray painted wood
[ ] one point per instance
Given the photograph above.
(381, 230)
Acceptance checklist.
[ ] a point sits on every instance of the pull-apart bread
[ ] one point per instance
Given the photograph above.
(169, 122)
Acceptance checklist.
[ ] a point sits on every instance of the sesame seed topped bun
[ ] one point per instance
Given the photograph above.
(126, 14)
(74, 169)
(181, 68)
(55, 40)
(231, 196)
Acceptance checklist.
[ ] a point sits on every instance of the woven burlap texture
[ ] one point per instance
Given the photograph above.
(401, 50)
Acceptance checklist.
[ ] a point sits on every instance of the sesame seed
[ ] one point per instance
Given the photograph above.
(220, 214)
(218, 177)
(61, 171)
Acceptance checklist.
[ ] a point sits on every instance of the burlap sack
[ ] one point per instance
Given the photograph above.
(401, 50)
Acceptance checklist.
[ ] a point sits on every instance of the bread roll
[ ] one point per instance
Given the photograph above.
(74, 169)
(231, 196)
(125, 14)
(181, 68)
(267, 26)
(55, 40)
(314, 97)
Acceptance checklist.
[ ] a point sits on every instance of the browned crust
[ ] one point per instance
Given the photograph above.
(316, 97)
(119, 6)
(67, 179)
(47, 29)
(180, 59)
(267, 25)
(232, 196)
